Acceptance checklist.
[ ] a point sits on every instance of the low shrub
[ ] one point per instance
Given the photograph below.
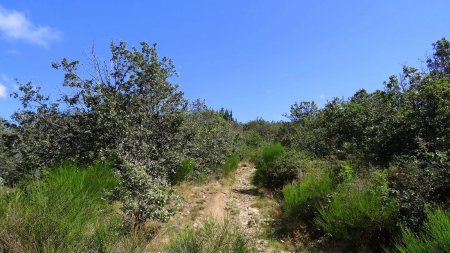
(185, 170)
(277, 166)
(270, 153)
(230, 165)
(144, 197)
(420, 182)
(213, 236)
(434, 238)
(360, 212)
(302, 200)
(64, 212)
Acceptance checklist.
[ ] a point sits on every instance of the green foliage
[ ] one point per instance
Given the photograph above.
(65, 212)
(360, 213)
(211, 237)
(410, 116)
(144, 197)
(250, 142)
(434, 238)
(267, 130)
(270, 153)
(230, 165)
(276, 166)
(303, 111)
(185, 170)
(302, 200)
(417, 183)
(8, 158)
(402, 129)
(129, 108)
(208, 138)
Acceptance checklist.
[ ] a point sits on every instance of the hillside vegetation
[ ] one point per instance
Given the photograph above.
(95, 169)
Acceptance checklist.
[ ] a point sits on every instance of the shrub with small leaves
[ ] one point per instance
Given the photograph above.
(144, 197)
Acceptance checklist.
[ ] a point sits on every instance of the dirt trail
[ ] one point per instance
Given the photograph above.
(236, 201)
(243, 199)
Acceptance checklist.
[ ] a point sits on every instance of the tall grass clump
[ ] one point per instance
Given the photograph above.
(230, 165)
(302, 200)
(434, 238)
(360, 212)
(64, 212)
(213, 236)
(185, 170)
(264, 161)
(270, 153)
(276, 166)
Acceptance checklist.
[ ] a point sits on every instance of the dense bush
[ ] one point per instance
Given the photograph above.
(360, 212)
(8, 158)
(302, 200)
(267, 131)
(144, 197)
(211, 237)
(434, 238)
(264, 161)
(208, 137)
(249, 143)
(185, 170)
(418, 182)
(276, 166)
(230, 165)
(65, 212)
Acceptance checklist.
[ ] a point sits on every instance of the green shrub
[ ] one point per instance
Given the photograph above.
(435, 237)
(277, 166)
(359, 213)
(144, 197)
(270, 153)
(211, 237)
(64, 212)
(184, 170)
(304, 199)
(230, 165)
(207, 137)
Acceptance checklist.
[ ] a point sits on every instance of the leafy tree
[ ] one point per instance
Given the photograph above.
(130, 108)
(302, 111)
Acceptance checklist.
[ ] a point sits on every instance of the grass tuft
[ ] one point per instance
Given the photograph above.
(213, 236)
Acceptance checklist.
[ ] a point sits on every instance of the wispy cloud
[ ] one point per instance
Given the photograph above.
(3, 91)
(5, 78)
(15, 25)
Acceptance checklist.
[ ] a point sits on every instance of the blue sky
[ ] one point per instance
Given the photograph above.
(255, 57)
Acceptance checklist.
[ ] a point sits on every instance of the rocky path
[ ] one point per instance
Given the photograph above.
(242, 201)
(235, 201)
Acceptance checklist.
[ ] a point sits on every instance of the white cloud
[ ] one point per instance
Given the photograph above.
(14, 25)
(322, 96)
(3, 92)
